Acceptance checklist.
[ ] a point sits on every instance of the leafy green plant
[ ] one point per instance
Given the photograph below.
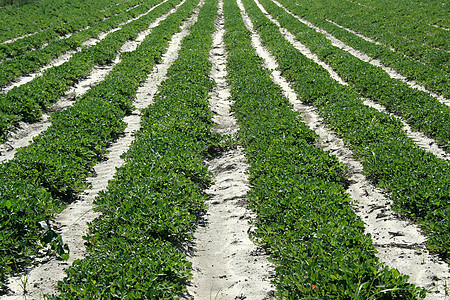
(305, 218)
(417, 180)
(150, 208)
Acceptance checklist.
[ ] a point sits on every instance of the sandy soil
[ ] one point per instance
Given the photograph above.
(400, 244)
(72, 222)
(364, 57)
(225, 263)
(440, 27)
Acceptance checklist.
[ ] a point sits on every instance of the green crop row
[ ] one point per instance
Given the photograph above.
(49, 173)
(33, 61)
(35, 41)
(396, 22)
(423, 112)
(417, 181)
(382, 27)
(433, 12)
(304, 216)
(431, 77)
(15, 22)
(150, 208)
(28, 101)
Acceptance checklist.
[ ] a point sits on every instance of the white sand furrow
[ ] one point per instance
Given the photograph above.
(225, 263)
(440, 27)
(389, 233)
(364, 57)
(72, 222)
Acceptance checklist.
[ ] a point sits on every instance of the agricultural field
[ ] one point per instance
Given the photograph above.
(225, 149)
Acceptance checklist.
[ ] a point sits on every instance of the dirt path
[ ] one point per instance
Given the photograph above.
(225, 263)
(400, 243)
(420, 139)
(364, 57)
(72, 222)
(22, 135)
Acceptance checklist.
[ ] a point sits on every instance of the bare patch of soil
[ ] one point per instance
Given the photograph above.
(226, 264)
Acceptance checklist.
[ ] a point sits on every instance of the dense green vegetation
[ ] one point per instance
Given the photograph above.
(417, 181)
(50, 172)
(304, 215)
(21, 46)
(27, 102)
(305, 219)
(28, 62)
(432, 77)
(151, 207)
(14, 3)
(423, 112)
(422, 42)
(43, 14)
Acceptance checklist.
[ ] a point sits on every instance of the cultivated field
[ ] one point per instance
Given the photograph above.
(225, 149)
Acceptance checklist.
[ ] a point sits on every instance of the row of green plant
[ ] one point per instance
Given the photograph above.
(40, 15)
(32, 61)
(304, 216)
(150, 209)
(433, 78)
(430, 12)
(423, 112)
(49, 173)
(28, 101)
(36, 41)
(417, 181)
(14, 3)
(381, 27)
(393, 18)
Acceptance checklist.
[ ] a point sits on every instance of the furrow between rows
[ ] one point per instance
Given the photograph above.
(225, 262)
